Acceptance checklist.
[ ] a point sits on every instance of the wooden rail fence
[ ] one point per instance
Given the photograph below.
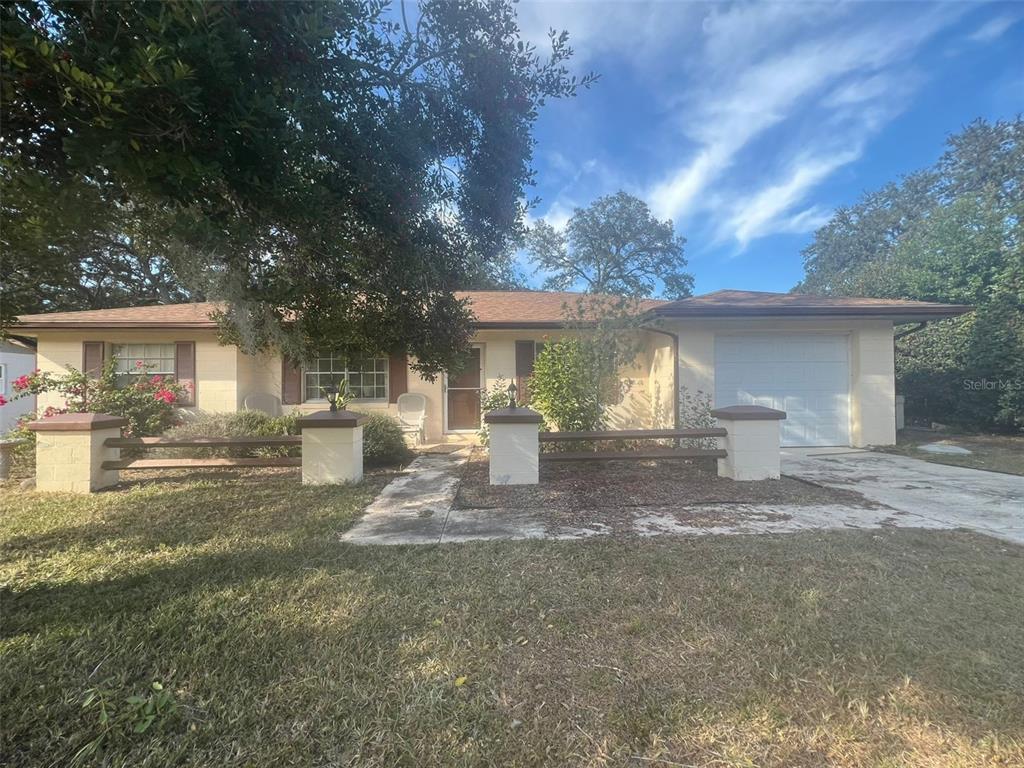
(666, 452)
(213, 462)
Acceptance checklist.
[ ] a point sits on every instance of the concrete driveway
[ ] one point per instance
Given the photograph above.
(926, 495)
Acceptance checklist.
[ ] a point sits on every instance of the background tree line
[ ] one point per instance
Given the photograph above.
(952, 233)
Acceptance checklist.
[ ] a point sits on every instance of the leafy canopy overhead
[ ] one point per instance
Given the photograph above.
(950, 233)
(344, 163)
(614, 246)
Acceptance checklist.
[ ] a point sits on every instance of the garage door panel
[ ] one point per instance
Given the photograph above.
(806, 375)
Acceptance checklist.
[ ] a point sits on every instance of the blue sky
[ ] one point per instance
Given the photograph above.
(747, 124)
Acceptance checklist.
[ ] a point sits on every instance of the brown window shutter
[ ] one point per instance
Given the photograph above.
(398, 376)
(185, 369)
(92, 358)
(291, 382)
(525, 355)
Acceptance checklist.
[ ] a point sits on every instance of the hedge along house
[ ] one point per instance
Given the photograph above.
(827, 362)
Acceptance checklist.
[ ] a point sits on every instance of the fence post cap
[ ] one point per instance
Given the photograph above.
(747, 413)
(77, 422)
(513, 416)
(329, 419)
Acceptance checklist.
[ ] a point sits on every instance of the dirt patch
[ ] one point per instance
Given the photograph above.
(995, 453)
(573, 487)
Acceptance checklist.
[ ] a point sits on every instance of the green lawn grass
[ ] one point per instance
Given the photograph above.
(277, 645)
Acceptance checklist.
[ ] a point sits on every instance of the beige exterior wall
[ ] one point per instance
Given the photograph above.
(225, 376)
(873, 385)
(216, 365)
(661, 381)
(872, 372)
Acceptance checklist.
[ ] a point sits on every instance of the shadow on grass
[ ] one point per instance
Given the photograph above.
(284, 645)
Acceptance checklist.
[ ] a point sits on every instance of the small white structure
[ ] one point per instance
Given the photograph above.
(70, 451)
(752, 443)
(332, 447)
(515, 446)
(15, 361)
(263, 402)
(412, 414)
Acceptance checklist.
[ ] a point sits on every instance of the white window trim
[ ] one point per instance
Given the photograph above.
(367, 400)
(114, 347)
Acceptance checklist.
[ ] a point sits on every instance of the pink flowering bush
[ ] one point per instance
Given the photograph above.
(148, 402)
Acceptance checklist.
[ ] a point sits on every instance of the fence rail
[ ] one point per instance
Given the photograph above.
(270, 441)
(631, 434)
(213, 462)
(673, 452)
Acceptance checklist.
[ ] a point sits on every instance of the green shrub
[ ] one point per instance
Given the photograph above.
(240, 424)
(569, 384)
(383, 441)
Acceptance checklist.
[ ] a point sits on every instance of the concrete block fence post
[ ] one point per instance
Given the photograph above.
(332, 447)
(515, 448)
(752, 442)
(70, 451)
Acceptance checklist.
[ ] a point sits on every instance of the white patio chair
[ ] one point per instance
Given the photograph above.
(412, 414)
(261, 401)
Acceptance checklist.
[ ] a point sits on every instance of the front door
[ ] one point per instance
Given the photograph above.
(463, 397)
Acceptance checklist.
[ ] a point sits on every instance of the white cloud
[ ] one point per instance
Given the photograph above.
(838, 79)
(642, 28)
(993, 29)
(762, 102)
(558, 213)
(768, 211)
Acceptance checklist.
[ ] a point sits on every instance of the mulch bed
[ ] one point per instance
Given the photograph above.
(587, 485)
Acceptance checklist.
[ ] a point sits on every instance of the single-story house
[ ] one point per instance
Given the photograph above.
(828, 362)
(15, 361)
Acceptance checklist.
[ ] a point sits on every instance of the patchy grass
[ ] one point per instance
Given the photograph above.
(997, 453)
(279, 646)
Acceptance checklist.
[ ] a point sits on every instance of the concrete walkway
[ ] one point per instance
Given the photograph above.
(415, 508)
(412, 508)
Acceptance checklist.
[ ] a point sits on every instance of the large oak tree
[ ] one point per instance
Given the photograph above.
(613, 246)
(333, 169)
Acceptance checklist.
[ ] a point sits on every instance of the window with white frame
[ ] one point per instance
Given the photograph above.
(3, 378)
(143, 359)
(366, 377)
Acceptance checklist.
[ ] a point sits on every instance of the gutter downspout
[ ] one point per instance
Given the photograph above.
(675, 371)
(908, 331)
(896, 337)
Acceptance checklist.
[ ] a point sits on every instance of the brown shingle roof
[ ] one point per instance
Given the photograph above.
(522, 309)
(493, 309)
(194, 315)
(729, 303)
(538, 309)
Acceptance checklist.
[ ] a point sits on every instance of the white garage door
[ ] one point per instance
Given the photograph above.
(805, 375)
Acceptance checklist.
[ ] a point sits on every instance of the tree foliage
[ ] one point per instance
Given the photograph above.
(614, 246)
(578, 377)
(333, 169)
(951, 233)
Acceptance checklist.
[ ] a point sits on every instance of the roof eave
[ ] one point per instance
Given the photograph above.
(890, 313)
(65, 325)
